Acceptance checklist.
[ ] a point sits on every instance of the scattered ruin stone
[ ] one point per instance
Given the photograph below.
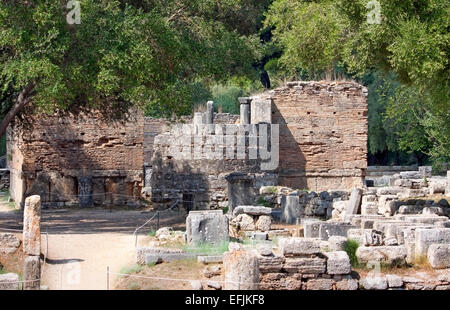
(305, 265)
(371, 237)
(347, 285)
(374, 283)
(320, 284)
(143, 252)
(337, 243)
(299, 246)
(214, 284)
(338, 263)
(290, 209)
(424, 238)
(355, 201)
(270, 264)
(328, 229)
(210, 259)
(244, 222)
(437, 187)
(389, 255)
(155, 258)
(212, 271)
(32, 226)
(439, 255)
(263, 223)
(207, 227)
(9, 243)
(394, 281)
(252, 210)
(9, 281)
(241, 270)
(32, 273)
(196, 285)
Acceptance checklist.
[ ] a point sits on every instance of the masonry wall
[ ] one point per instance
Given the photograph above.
(59, 156)
(323, 134)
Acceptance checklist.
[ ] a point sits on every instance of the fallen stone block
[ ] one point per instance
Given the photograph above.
(290, 209)
(305, 265)
(410, 209)
(311, 228)
(391, 190)
(328, 229)
(394, 281)
(439, 256)
(369, 208)
(388, 255)
(356, 234)
(263, 223)
(299, 246)
(338, 263)
(9, 243)
(9, 281)
(437, 187)
(424, 238)
(355, 201)
(207, 227)
(320, 284)
(337, 243)
(168, 257)
(374, 283)
(432, 210)
(143, 251)
(372, 237)
(196, 285)
(252, 210)
(210, 259)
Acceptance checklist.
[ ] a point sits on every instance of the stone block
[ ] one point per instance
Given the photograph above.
(210, 259)
(270, 264)
(241, 270)
(261, 111)
(263, 223)
(369, 208)
(244, 222)
(32, 273)
(305, 265)
(290, 209)
(338, 263)
(374, 283)
(207, 227)
(9, 281)
(355, 201)
(394, 281)
(389, 255)
(9, 243)
(299, 246)
(347, 285)
(320, 284)
(311, 228)
(337, 243)
(371, 237)
(437, 187)
(439, 255)
(328, 229)
(426, 237)
(252, 210)
(32, 226)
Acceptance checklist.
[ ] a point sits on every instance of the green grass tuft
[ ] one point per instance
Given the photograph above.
(350, 247)
(207, 248)
(131, 269)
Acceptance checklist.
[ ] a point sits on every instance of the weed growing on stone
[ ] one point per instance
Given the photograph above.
(350, 247)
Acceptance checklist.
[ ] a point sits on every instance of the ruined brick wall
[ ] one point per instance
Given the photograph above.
(323, 134)
(59, 156)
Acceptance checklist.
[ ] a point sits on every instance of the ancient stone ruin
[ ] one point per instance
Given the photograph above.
(87, 161)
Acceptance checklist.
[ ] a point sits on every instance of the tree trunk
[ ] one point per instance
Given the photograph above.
(25, 96)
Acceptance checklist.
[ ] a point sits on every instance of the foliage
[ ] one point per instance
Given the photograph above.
(350, 247)
(207, 248)
(131, 269)
(145, 53)
(2, 145)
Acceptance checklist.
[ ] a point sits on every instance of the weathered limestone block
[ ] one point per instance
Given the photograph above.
(143, 252)
(263, 223)
(32, 273)
(389, 255)
(410, 175)
(245, 114)
(356, 234)
(32, 226)
(244, 222)
(394, 281)
(437, 187)
(270, 264)
(369, 208)
(210, 112)
(383, 206)
(432, 210)
(391, 190)
(299, 246)
(338, 263)
(403, 183)
(261, 111)
(369, 198)
(206, 227)
(320, 284)
(439, 255)
(337, 243)
(9, 243)
(241, 270)
(355, 201)
(374, 283)
(252, 210)
(290, 209)
(425, 171)
(305, 265)
(347, 285)
(9, 281)
(328, 229)
(280, 281)
(426, 237)
(311, 228)
(372, 237)
(447, 191)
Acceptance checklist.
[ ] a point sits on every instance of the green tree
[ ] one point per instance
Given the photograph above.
(146, 53)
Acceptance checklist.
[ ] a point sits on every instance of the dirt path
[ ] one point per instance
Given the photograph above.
(83, 243)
